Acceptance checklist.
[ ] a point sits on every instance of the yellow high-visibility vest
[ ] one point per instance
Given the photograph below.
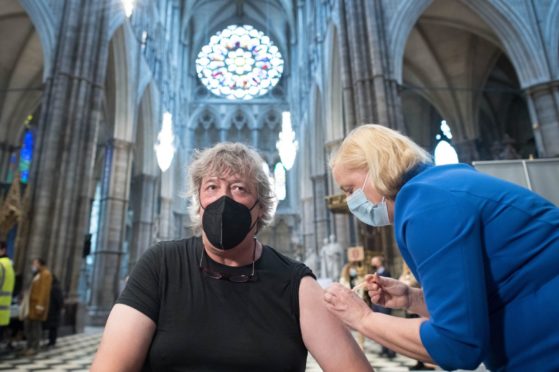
(7, 281)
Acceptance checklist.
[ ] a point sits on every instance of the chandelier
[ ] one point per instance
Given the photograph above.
(165, 145)
(287, 144)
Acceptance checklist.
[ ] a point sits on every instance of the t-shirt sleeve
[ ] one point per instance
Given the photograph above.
(443, 237)
(142, 288)
(299, 272)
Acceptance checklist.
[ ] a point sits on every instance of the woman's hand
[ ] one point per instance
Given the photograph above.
(388, 292)
(346, 305)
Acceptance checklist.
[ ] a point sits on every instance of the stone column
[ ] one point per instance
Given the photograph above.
(387, 104)
(165, 212)
(357, 38)
(62, 169)
(167, 191)
(467, 150)
(115, 189)
(142, 197)
(347, 75)
(320, 212)
(543, 103)
(5, 152)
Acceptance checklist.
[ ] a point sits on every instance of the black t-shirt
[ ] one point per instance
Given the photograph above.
(205, 324)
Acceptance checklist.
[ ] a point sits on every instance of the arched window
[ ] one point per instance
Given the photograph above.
(444, 151)
(26, 155)
(21, 161)
(239, 63)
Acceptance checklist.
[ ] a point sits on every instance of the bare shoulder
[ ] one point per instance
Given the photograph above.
(125, 341)
(326, 338)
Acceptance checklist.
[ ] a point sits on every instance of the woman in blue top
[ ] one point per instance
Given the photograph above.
(485, 251)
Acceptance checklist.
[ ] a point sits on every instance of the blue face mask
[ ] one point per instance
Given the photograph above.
(367, 212)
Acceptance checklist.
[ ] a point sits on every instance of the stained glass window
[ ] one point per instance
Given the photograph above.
(26, 155)
(21, 160)
(239, 63)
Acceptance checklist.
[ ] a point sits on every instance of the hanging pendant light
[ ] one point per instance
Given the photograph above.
(287, 144)
(165, 145)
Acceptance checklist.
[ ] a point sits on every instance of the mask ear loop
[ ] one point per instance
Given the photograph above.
(255, 222)
(365, 182)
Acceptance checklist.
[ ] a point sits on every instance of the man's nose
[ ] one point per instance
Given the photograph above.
(226, 191)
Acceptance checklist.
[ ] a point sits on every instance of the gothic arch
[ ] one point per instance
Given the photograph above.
(42, 18)
(204, 127)
(519, 44)
(22, 75)
(333, 89)
(195, 117)
(146, 134)
(231, 119)
(399, 30)
(550, 30)
(525, 52)
(270, 119)
(124, 86)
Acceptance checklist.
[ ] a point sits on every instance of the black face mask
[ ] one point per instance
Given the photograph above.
(226, 222)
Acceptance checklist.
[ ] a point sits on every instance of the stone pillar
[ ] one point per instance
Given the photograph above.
(360, 61)
(5, 152)
(222, 134)
(165, 212)
(254, 136)
(308, 230)
(543, 103)
(320, 212)
(347, 75)
(62, 169)
(115, 189)
(467, 150)
(142, 197)
(387, 104)
(167, 191)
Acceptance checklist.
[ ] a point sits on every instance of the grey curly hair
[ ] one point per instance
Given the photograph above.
(234, 158)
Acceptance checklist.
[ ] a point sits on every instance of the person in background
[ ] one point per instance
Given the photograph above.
(38, 299)
(7, 281)
(222, 300)
(56, 304)
(377, 263)
(485, 252)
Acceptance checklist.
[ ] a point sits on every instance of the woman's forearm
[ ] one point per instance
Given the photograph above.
(417, 303)
(398, 334)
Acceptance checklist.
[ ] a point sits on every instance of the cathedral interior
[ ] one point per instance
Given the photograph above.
(103, 103)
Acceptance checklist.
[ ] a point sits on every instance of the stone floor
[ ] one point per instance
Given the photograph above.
(75, 353)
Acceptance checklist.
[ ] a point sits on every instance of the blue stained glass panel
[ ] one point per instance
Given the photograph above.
(26, 155)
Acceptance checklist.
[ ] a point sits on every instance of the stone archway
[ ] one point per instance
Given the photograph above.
(451, 62)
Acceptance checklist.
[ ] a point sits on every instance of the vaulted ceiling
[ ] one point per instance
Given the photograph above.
(21, 65)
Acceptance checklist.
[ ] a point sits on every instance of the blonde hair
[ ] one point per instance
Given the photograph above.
(385, 153)
(229, 158)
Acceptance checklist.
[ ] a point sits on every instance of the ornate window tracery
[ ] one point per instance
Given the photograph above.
(239, 63)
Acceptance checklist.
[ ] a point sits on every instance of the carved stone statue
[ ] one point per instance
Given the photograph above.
(312, 262)
(331, 257)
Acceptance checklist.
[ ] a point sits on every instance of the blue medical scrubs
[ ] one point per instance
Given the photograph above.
(486, 253)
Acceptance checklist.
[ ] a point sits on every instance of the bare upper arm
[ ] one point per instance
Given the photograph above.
(326, 338)
(125, 341)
